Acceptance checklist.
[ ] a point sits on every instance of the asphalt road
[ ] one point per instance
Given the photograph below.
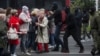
(73, 50)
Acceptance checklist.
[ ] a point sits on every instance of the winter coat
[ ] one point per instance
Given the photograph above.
(26, 19)
(15, 23)
(42, 36)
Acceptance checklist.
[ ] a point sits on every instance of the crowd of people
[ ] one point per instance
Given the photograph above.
(38, 29)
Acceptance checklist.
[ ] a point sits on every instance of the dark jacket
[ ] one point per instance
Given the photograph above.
(71, 22)
(57, 17)
(85, 17)
(32, 26)
(78, 18)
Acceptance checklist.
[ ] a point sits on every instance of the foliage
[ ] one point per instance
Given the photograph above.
(82, 4)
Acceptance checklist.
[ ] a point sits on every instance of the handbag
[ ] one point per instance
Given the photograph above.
(12, 34)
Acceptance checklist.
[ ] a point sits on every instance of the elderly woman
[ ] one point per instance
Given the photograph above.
(25, 17)
(42, 32)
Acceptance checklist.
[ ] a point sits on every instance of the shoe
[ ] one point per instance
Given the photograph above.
(81, 51)
(83, 41)
(51, 46)
(13, 55)
(93, 51)
(27, 53)
(55, 49)
(98, 53)
(65, 51)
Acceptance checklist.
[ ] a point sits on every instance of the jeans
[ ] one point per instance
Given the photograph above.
(12, 48)
(24, 42)
(51, 37)
(58, 41)
(31, 40)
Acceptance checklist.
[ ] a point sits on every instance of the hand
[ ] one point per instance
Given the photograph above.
(37, 23)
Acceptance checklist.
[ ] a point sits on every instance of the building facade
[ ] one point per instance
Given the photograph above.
(30, 3)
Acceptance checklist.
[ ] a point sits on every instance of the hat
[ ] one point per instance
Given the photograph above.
(24, 8)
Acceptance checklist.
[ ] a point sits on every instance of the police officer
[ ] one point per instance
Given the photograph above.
(71, 29)
(95, 28)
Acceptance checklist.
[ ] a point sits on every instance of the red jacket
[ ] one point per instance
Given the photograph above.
(14, 22)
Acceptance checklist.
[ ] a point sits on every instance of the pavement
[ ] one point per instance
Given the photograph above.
(73, 50)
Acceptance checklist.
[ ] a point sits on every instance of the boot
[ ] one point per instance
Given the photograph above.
(56, 49)
(40, 49)
(46, 47)
(93, 51)
(64, 50)
(98, 53)
(81, 50)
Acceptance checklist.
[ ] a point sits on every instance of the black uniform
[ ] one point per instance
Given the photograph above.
(71, 29)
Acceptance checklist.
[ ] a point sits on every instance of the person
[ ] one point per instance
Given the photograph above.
(32, 31)
(3, 31)
(95, 28)
(25, 17)
(51, 29)
(14, 22)
(42, 32)
(8, 14)
(58, 24)
(85, 22)
(71, 29)
(78, 18)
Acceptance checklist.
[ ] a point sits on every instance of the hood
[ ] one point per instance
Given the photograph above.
(25, 8)
(54, 6)
(67, 10)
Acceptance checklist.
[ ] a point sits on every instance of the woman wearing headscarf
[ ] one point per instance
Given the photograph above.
(25, 17)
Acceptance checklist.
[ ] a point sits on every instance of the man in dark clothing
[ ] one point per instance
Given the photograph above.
(32, 34)
(71, 29)
(78, 18)
(58, 23)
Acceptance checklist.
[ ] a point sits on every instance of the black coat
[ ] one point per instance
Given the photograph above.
(71, 22)
(57, 17)
(85, 17)
(32, 26)
(78, 18)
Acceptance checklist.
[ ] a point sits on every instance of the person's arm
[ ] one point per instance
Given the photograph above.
(45, 22)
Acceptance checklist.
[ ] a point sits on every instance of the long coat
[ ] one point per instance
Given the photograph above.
(42, 36)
